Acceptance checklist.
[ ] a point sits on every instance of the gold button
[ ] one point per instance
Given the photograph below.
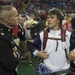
(2, 33)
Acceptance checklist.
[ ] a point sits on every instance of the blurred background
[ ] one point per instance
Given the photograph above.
(67, 6)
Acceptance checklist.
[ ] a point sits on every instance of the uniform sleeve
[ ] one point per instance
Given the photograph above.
(7, 59)
(36, 44)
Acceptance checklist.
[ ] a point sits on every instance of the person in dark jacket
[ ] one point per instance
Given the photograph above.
(21, 36)
(72, 47)
(8, 56)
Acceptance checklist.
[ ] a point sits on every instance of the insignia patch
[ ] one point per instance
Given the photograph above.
(9, 30)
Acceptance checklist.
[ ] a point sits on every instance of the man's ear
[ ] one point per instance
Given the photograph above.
(58, 20)
(7, 19)
(0, 16)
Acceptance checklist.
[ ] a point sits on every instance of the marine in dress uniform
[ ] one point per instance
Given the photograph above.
(9, 51)
(8, 62)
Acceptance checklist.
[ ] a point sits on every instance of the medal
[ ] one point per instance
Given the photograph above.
(22, 33)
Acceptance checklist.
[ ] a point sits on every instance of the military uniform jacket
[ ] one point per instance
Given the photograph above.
(8, 62)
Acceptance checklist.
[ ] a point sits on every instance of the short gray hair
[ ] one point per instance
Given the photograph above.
(5, 8)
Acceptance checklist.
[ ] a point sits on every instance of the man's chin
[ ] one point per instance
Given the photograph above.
(50, 26)
(14, 25)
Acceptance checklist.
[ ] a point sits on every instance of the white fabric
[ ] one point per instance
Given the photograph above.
(35, 52)
(57, 59)
(17, 41)
(28, 23)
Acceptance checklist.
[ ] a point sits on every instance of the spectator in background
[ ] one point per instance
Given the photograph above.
(43, 21)
(28, 37)
(8, 57)
(15, 34)
(67, 23)
(21, 36)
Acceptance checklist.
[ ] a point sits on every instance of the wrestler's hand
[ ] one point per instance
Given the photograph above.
(42, 54)
(71, 56)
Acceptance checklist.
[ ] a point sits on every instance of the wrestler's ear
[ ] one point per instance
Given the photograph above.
(58, 20)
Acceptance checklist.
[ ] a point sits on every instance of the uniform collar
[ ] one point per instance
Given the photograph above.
(5, 28)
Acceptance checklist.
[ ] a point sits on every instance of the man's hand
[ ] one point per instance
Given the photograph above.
(42, 54)
(71, 56)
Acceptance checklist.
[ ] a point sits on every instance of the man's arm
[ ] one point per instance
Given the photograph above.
(7, 58)
(35, 48)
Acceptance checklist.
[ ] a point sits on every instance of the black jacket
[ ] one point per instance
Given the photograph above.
(21, 32)
(8, 62)
(72, 46)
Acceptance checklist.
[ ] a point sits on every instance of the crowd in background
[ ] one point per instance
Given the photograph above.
(32, 13)
(67, 6)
